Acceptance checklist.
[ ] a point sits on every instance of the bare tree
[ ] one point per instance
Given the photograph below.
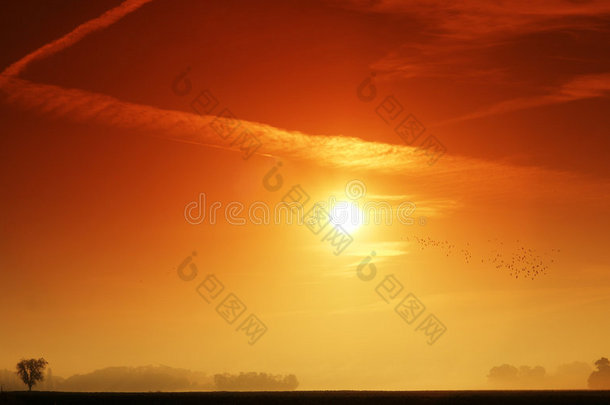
(31, 371)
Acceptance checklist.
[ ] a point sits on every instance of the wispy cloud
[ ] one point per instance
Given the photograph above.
(456, 38)
(481, 22)
(108, 18)
(81, 106)
(467, 176)
(580, 88)
(455, 28)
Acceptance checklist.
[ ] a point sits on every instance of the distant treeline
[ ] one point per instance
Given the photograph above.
(575, 375)
(151, 378)
(255, 382)
(10, 381)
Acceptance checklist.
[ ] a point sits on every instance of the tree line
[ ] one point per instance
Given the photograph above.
(31, 373)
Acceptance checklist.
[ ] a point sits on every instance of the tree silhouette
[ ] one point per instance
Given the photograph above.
(31, 371)
(600, 379)
(255, 382)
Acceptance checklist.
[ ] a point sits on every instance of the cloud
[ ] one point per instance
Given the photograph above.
(579, 88)
(458, 38)
(108, 18)
(82, 106)
(468, 177)
(481, 22)
(454, 28)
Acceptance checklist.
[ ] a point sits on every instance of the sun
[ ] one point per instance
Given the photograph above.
(347, 215)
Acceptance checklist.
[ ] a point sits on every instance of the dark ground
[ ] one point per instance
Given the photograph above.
(314, 397)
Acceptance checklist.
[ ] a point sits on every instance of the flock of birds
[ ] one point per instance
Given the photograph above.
(520, 262)
(525, 262)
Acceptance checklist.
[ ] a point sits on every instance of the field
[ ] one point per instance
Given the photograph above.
(314, 397)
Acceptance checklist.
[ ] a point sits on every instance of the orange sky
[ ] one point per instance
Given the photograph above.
(100, 156)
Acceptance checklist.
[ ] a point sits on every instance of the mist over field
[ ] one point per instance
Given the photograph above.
(154, 378)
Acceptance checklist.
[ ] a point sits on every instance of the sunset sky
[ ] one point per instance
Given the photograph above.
(106, 139)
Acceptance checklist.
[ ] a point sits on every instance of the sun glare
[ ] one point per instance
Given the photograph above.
(347, 215)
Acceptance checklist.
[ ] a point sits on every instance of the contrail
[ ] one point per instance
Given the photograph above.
(108, 18)
(466, 174)
(579, 88)
(469, 178)
(82, 106)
